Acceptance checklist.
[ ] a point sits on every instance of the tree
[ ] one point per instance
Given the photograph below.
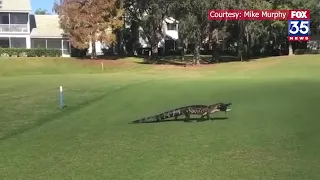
(40, 11)
(149, 15)
(193, 23)
(88, 21)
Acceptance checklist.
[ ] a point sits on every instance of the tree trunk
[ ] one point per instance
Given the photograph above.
(114, 49)
(240, 40)
(134, 37)
(183, 50)
(121, 42)
(240, 50)
(290, 49)
(196, 54)
(214, 52)
(118, 40)
(124, 49)
(154, 48)
(183, 43)
(248, 44)
(154, 52)
(94, 51)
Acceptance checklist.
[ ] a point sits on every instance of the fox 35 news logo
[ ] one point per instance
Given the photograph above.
(299, 25)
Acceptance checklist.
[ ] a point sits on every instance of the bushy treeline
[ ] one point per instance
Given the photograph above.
(103, 20)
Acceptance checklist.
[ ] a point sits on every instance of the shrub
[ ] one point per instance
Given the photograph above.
(306, 51)
(19, 52)
(80, 52)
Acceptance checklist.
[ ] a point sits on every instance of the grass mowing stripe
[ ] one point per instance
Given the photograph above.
(67, 111)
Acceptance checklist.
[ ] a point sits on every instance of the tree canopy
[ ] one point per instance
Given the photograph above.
(88, 21)
(40, 11)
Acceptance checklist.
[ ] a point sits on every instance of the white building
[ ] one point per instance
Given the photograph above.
(21, 29)
(170, 31)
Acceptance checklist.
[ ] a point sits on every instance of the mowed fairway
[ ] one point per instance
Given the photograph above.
(271, 133)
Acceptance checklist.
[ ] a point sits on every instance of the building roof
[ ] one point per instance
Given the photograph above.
(171, 20)
(45, 26)
(15, 6)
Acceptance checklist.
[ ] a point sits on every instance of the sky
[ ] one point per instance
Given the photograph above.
(43, 4)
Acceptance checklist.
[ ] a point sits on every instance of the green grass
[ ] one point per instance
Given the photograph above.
(272, 131)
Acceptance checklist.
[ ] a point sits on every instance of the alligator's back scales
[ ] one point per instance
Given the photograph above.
(197, 109)
(203, 110)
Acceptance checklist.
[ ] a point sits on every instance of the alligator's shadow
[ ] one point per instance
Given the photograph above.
(190, 120)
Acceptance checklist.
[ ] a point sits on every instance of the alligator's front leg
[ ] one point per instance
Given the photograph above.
(202, 116)
(208, 116)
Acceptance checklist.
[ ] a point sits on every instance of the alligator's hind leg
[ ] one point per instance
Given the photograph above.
(176, 114)
(187, 117)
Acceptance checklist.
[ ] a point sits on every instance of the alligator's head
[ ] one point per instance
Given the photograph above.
(223, 107)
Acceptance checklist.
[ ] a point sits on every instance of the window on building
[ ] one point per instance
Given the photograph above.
(4, 18)
(18, 42)
(171, 26)
(4, 42)
(54, 43)
(38, 43)
(66, 47)
(50, 43)
(18, 18)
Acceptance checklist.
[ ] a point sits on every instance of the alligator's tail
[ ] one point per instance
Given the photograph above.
(159, 117)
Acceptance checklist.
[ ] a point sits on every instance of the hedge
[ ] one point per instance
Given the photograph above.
(19, 52)
(306, 51)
